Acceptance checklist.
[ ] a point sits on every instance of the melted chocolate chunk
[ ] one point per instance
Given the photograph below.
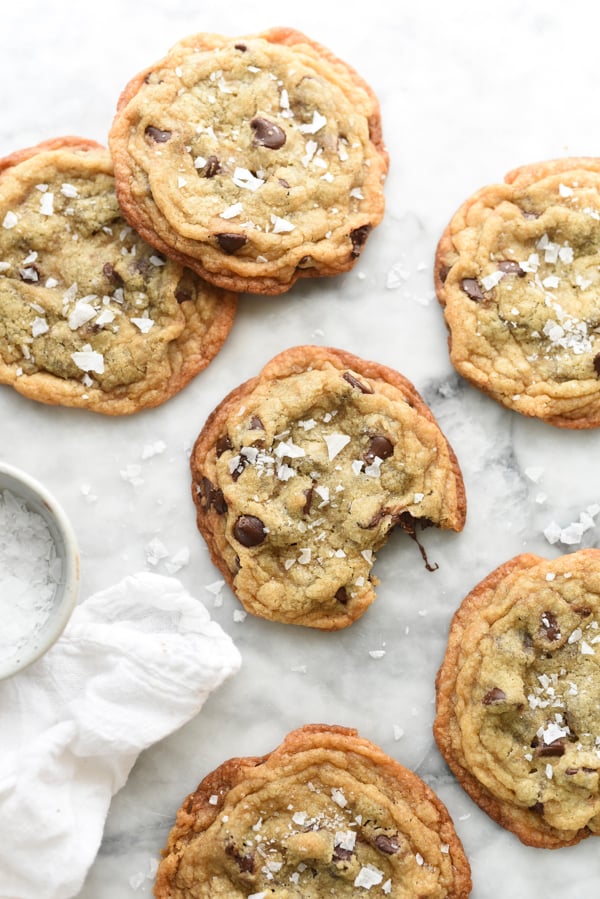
(160, 137)
(494, 696)
(249, 530)
(244, 862)
(183, 294)
(213, 497)
(308, 494)
(408, 524)
(380, 447)
(354, 382)
(241, 47)
(341, 595)
(387, 845)
(472, 288)
(550, 626)
(112, 274)
(597, 364)
(510, 267)
(341, 855)
(256, 424)
(556, 748)
(537, 807)
(359, 238)
(443, 272)
(212, 167)
(223, 444)
(231, 242)
(267, 134)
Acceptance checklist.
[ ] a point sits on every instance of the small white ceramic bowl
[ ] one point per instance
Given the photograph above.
(38, 499)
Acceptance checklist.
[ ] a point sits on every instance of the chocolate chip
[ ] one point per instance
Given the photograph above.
(213, 497)
(380, 447)
(388, 845)
(183, 294)
(354, 382)
(510, 267)
(359, 238)
(537, 807)
(341, 595)
(284, 183)
(244, 862)
(109, 271)
(241, 47)
(597, 364)
(223, 444)
(212, 167)
(472, 289)
(584, 612)
(231, 242)
(556, 748)
(443, 272)
(160, 137)
(249, 530)
(550, 626)
(308, 494)
(341, 855)
(256, 424)
(494, 696)
(267, 134)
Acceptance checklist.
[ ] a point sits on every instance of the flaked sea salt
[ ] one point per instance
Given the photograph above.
(30, 572)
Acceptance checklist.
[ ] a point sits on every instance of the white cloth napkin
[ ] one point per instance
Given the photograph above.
(134, 663)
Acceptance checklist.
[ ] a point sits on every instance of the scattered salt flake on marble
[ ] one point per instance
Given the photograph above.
(299, 669)
(10, 220)
(178, 560)
(335, 444)
(153, 449)
(534, 474)
(156, 551)
(377, 653)
(215, 588)
(86, 490)
(89, 360)
(541, 498)
(239, 615)
(368, 876)
(397, 731)
(396, 276)
(132, 474)
(552, 532)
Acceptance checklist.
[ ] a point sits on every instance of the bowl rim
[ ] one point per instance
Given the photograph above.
(66, 601)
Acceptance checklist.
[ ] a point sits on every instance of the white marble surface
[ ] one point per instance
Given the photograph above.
(468, 91)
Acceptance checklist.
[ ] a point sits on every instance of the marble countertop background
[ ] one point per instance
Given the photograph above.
(468, 91)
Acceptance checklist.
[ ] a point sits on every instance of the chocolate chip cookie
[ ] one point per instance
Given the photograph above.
(518, 273)
(254, 161)
(327, 813)
(90, 314)
(518, 717)
(301, 473)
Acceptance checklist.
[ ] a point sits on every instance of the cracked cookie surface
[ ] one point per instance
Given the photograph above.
(518, 273)
(326, 813)
(253, 160)
(91, 315)
(301, 473)
(518, 716)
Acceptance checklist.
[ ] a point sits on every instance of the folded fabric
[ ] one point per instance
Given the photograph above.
(134, 663)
